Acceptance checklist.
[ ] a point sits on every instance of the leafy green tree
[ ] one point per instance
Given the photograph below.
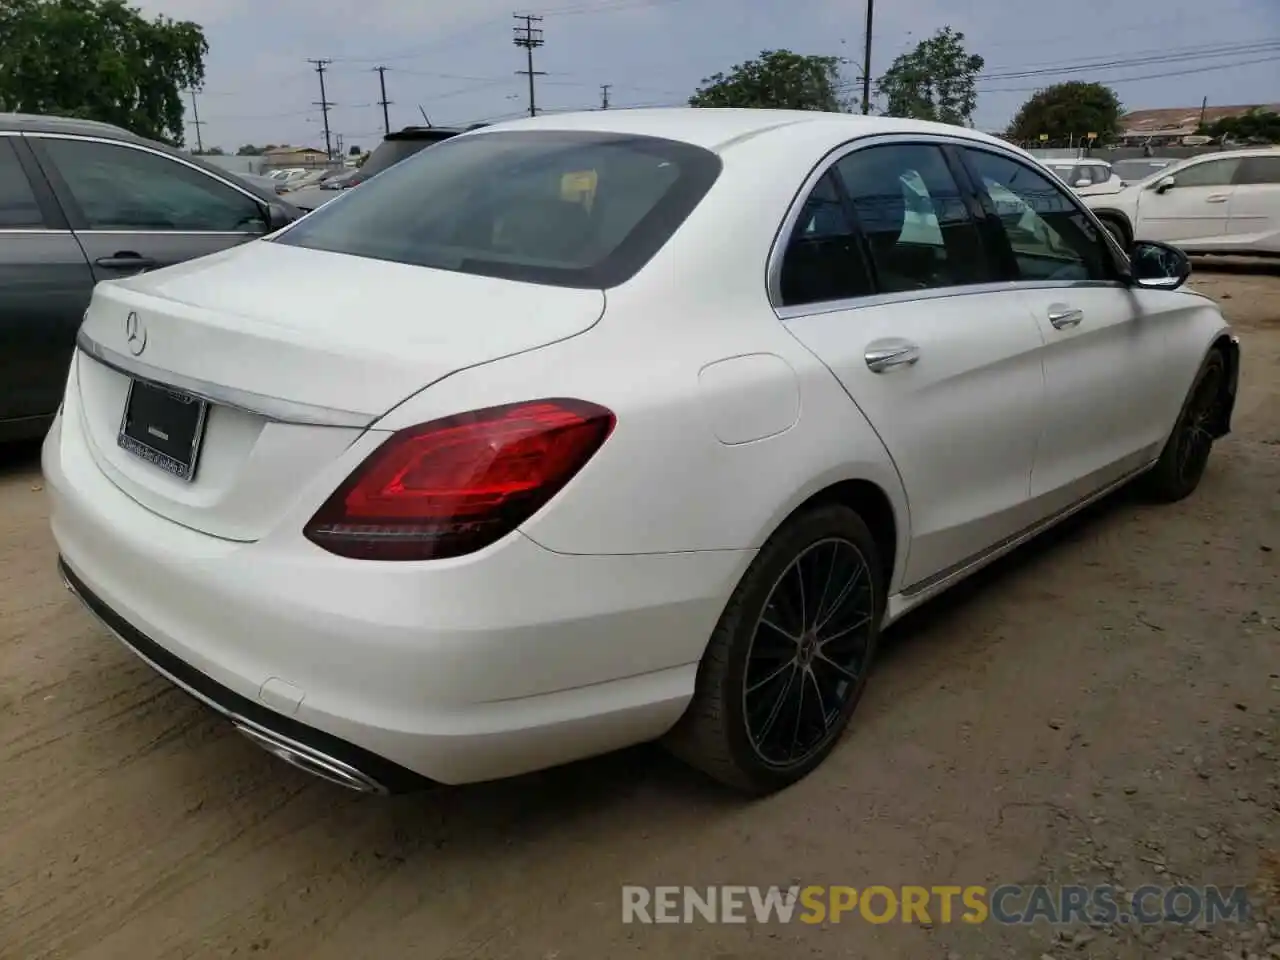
(779, 79)
(934, 81)
(355, 151)
(99, 60)
(1067, 112)
(1255, 126)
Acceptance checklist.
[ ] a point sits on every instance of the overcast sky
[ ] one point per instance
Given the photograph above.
(456, 59)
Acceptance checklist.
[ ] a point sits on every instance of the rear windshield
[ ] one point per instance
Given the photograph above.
(569, 208)
(389, 153)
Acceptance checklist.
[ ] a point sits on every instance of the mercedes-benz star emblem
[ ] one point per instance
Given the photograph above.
(135, 334)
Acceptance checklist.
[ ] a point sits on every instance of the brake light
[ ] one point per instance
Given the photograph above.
(454, 486)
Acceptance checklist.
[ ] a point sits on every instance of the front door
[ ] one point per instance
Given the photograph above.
(1196, 207)
(134, 209)
(1103, 342)
(946, 370)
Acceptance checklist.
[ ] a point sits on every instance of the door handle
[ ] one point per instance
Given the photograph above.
(125, 260)
(1062, 316)
(885, 356)
(1217, 198)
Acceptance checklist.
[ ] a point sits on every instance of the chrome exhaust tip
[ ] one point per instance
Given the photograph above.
(310, 760)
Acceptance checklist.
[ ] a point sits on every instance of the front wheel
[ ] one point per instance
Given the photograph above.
(789, 659)
(1186, 453)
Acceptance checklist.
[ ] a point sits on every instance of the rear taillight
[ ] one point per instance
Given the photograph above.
(453, 486)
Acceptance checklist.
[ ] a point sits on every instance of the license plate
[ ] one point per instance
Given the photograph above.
(163, 427)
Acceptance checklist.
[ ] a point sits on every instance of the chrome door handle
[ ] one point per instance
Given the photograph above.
(890, 355)
(1217, 198)
(1063, 317)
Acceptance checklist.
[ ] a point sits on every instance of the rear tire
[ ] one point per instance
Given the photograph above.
(789, 659)
(1186, 453)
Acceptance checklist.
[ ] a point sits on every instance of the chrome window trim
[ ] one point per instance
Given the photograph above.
(799, 310)
(273, 409)
(6, 231)
(777, 250)
(141, 148)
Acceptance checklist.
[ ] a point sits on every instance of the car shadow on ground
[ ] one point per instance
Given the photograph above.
(1244, 266)
(19, 458)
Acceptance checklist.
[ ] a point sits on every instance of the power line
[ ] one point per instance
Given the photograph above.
(1150, 76)
(324, 106)
(384, 102)
(529, 37)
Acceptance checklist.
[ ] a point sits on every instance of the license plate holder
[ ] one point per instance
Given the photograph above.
(163, 426)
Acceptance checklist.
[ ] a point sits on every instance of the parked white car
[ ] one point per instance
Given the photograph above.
(1086, 176)
(1224, 203)
(591, 429)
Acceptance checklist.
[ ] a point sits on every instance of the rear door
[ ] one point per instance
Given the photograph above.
(1255, 205)
(135, 209)
(1104, 341)
(1195, 208)
(905, 309)
(45, 285)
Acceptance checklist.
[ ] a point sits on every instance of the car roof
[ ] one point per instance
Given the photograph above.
(719, 128)
(34, 123)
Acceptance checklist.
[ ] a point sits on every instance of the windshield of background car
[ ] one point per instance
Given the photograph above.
(389, 153)
(1132, 171)
(567, 208)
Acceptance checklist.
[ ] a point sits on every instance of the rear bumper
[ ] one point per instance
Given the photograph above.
(512, 660)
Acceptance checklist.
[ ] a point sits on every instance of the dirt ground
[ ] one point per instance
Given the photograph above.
(1103, 706)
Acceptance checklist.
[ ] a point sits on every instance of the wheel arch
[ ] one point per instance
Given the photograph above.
(1229, 346)
(1116, 216)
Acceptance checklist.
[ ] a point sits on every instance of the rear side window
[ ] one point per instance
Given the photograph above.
(18, 207)
(917, 225)
(823, 261)
(567, 208)
(1259, 170)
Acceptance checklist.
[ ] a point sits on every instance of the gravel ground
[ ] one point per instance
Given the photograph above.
(1103, 706)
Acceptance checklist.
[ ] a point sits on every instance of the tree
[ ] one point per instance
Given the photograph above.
(779, 79)
(1068, 112)
(99, 60)
(935, 81)
(1253, 126)
(212, 152)
(354, 151)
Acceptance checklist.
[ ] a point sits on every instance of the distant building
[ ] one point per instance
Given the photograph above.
(1170, 124)
(280, 158)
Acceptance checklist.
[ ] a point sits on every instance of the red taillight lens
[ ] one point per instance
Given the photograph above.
(453, 486)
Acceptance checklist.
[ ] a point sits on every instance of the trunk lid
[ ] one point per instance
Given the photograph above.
(299, 351)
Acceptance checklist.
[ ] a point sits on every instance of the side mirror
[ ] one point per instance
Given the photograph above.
(1158, 266)
(1166, 184)
(277, 217)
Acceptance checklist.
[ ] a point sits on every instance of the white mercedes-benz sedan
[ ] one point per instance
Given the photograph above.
(587, 430)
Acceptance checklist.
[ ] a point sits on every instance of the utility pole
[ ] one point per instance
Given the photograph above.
(197, 122)
(384, 102)
(324, 105)
(866, 59)
(604, 95)
(340, 153)
(1204, 106)
(529, 36)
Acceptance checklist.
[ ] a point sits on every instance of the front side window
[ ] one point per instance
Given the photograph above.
(1210, 173)
(569, 208)
(18, 207)
(123, 188)
(823, 261)
(1051, 237)
(917, 225)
